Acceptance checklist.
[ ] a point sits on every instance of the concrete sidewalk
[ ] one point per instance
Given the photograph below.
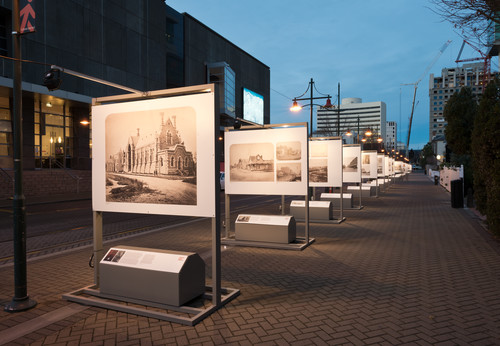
(406, 269)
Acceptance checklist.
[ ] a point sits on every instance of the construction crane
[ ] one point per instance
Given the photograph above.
(485, 57)
(415, 86)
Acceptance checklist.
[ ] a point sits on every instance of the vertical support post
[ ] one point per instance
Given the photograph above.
(342, 181)
(21, 300)
(282, 204)
(227, 214)
(307, 190)
(216, 220)
(98, 244)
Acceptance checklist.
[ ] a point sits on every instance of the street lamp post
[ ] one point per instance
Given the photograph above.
(296, 107)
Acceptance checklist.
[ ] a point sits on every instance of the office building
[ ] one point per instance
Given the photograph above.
(353, 114)
(142, 44)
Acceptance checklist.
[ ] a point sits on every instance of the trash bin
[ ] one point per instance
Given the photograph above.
(436, 179)
(457, 195)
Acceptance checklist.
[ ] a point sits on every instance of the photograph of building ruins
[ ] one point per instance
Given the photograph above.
(288, 151)
(350, 164)
(289, 171)
(150, 157)
(365, 165)
(251, 162)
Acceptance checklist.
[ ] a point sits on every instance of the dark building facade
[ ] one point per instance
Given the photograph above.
(141, 44)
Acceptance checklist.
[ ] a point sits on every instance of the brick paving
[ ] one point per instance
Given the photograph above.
(406, 269)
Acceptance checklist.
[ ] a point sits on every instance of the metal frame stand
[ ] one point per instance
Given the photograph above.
(215, 292)
(300, 243)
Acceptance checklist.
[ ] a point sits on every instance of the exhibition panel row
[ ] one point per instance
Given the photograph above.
(157, 153)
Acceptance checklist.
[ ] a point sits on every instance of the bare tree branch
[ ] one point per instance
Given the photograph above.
(474, 19)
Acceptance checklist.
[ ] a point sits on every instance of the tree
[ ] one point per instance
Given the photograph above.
(427, 156)
(471, 17)
(459, 113)
(486, 155)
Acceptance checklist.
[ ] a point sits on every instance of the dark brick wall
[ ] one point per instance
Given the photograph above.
(47, 182)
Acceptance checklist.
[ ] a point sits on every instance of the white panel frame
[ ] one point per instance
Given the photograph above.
(353, 150)
(203, 106)
(272, 136)
(334, 160)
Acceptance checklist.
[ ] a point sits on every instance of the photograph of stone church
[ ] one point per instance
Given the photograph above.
(150, 157)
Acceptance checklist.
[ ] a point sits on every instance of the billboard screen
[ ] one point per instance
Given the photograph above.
(253, 106)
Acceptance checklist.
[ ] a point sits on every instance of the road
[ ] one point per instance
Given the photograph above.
(60, 226)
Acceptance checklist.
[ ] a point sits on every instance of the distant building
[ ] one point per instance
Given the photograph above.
(401, 147)
(391, 135)
(353, 112)
(441, 88)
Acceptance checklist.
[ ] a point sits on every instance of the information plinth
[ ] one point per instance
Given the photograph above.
(159, 276)
(335, 199)
(265, 228)
(372, 187)
(318, 210)
(356, 190)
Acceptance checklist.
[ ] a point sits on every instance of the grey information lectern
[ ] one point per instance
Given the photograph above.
(159, 276)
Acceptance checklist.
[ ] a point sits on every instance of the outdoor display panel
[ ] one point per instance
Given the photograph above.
(369, 164)
(266, 162)
(398, 167)
(325, 163)
(388, 166)
(151, 156)
(351, 163)
(380, 165)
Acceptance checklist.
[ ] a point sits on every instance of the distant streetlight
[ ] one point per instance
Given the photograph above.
(296, 107)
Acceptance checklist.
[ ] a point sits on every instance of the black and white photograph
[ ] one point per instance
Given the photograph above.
(151, 157)
(243, 218)
(288, 151)
(365, 165)
(251, 162)
(350, 164)
(380, 163)
(365, 159)
(318, 170)
(289, 171)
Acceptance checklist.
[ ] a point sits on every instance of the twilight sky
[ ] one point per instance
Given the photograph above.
(370, 47)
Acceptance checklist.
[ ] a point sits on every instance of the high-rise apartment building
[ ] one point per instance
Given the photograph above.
(353, 113)
(441, 88)
(391, 135)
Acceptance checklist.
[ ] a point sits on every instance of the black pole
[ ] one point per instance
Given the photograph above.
(21, 300)
(311, 84)
(338, 111)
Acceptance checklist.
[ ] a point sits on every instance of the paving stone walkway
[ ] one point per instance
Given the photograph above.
(406, 269)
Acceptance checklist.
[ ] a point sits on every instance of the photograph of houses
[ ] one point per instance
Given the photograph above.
(150, 157)
(288, 151)
(251, 162)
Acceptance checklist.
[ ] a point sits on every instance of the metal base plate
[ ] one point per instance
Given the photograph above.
(186, 315)
(335, 221)
(298, 244)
